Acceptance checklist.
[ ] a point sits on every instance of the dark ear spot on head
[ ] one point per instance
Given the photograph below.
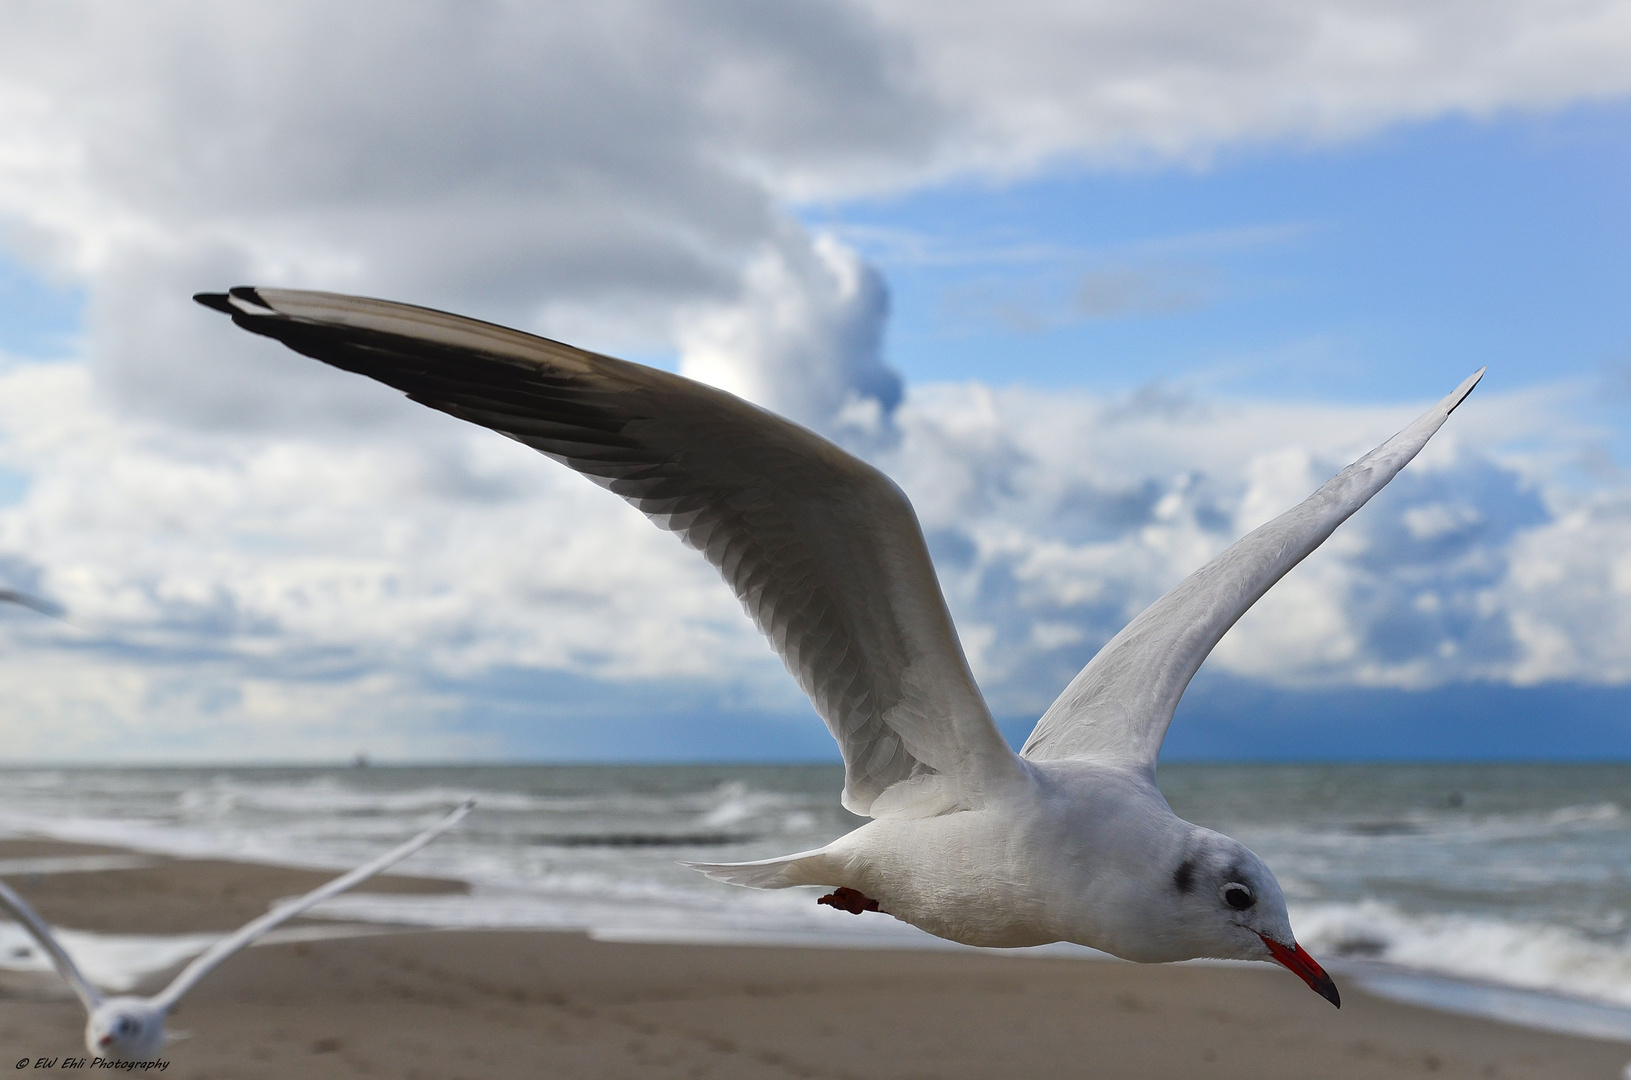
(1183, 878)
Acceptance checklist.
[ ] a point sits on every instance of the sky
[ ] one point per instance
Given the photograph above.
(1103, 287)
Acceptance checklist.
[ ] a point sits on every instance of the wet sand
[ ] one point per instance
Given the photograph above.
(502, 1004)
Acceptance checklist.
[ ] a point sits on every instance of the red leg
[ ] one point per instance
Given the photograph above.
(849, 900)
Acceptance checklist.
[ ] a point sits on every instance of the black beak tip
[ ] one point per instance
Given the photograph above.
(1328, 991)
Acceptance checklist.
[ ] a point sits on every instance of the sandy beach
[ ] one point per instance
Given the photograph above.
(502, 1004)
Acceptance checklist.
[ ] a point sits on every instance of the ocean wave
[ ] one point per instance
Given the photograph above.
(323, 795)
(1528, 955)
(727, 804)
(1512, 884)
(37, 781)
(1446, 826)
(334, 821)
(603, 904)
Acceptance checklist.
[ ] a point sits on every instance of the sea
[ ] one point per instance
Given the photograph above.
(1501, 890)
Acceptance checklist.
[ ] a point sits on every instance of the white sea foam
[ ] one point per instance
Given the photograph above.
(1533, 956)
(114, 962)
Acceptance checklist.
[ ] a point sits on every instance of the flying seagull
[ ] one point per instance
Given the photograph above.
(34, 603)
(1069, 839)
(132, 1028)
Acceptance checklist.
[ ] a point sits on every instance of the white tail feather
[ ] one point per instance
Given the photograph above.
(805, 868)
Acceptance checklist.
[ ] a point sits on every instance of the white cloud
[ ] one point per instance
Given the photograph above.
(332, 590)
(388, 578)
(1106, 81)
(247, 534)
(606, 171)
(1052, 512)
(617, 172)
(470, 554)
(1569, 594)
(806, 341)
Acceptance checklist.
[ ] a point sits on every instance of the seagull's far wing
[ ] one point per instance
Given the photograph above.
(823, 550)
(247, 934)
(44, 607)
(42, 934)
(1119, 706)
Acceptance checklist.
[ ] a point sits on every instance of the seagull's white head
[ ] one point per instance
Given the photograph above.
(125, 1029)
(1232, 908)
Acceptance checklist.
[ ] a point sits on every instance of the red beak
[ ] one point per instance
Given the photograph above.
(1300, 964)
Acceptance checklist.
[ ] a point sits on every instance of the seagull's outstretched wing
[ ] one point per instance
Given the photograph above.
(35, 603)
(41, 933)
(823, 550)
(246, 935)
(1119, 706)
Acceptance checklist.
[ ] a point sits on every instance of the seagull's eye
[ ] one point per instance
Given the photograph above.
(1238, 896)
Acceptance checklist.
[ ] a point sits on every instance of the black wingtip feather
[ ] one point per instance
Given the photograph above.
(216, 300)
(248, 295)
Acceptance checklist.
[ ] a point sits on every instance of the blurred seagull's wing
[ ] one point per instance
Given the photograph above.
(88, 994)
(247, 935)
(1119, 706)
(823, 550)
(34, 603)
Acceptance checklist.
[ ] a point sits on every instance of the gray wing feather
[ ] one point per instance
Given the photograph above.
(1119, 706)
(824, 551)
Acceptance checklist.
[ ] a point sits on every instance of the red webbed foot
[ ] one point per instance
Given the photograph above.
(849, 900)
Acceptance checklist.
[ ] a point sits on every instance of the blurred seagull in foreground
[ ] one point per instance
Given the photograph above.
(132, 1028)
(1068, 840)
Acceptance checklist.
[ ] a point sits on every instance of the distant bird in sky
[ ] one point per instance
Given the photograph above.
(35, 603)
(129, 1028)
(1070, 839)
